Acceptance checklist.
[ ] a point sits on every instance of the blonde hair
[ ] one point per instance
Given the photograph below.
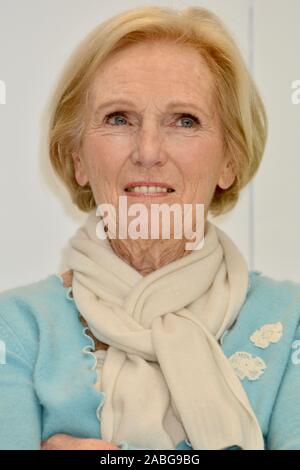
(238, 101)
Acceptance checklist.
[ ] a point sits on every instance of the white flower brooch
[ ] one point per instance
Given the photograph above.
(269, 333)
(245, 365)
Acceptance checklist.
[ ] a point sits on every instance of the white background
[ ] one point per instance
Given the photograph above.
(36, 215)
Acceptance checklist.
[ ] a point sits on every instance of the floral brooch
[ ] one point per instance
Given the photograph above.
(252, 367)
(269, 333)
(247, 366)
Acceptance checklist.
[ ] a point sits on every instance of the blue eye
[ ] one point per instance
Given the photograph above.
(189, 118)
(119, 114)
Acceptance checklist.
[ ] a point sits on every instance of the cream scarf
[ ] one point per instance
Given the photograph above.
(165, 376)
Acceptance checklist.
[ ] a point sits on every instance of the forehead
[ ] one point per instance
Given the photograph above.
(160, 69)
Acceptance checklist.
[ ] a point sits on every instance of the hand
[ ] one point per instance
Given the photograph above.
(67, 442)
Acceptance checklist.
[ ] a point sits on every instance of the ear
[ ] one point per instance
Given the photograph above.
(227, 175)
(79, 169)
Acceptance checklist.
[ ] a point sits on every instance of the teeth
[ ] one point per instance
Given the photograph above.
(148, 189)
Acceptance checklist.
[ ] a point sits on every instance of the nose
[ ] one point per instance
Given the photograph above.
(149, 149)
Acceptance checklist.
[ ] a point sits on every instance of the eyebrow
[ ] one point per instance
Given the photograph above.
(172, 104)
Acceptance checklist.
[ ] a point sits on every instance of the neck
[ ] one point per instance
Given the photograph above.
(147, 255)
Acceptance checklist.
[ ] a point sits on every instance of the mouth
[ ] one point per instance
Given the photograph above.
(152, 189)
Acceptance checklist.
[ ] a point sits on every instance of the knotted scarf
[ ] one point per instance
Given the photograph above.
(165, 376)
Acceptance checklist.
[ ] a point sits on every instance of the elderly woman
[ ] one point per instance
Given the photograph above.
(143, 343)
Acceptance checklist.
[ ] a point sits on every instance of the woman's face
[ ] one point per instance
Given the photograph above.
(164, 128)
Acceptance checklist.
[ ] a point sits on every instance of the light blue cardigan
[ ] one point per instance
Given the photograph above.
(48, 368)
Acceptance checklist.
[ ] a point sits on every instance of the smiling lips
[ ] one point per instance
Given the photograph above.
(143, 188)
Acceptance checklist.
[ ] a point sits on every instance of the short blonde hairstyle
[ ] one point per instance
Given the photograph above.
(241, 109)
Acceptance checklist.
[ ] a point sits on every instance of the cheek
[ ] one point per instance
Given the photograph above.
(200, 167)
(104, 159)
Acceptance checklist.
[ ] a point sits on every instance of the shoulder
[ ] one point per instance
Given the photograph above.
(271, 311)
(272, 298)
(33, 296)
(30, 310)
(262, 285)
